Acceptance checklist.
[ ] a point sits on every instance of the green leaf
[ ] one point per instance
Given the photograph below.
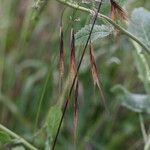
(53, 120)
(4, 137)
(99, 31)
(136, 102)
(140, 25)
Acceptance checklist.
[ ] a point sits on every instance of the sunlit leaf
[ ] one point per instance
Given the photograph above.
(99, 31)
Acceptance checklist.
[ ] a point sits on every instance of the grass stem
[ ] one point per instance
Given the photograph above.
(14, 135)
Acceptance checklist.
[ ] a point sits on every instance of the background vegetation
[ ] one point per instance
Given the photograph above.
(29, 78)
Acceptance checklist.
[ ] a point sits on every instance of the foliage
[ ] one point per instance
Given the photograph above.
(4, 137)
(140, 24)
(99, 32)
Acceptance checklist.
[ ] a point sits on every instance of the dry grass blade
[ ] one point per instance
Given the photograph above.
(72, 57)
(117, 10)
(75, 111)
(61, 57)
(95, 76)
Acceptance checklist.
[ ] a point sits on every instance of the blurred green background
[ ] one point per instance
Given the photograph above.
(29, 54)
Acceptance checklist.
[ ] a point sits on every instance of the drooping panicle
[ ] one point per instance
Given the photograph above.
(72, 57)
(117, 10)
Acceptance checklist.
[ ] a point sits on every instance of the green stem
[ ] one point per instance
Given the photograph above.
(143, 128)
(41, 100)
(76, 6)
(14, 135)
(147, 145)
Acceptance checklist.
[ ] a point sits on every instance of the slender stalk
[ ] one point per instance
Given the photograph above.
(41, 100)
(14, 135)
(124, 31)
(75, 77)
(143, 128)
(147, 145)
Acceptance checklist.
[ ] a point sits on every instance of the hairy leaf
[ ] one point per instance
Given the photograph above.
(140, 25)
(135, 102)
(99, 31)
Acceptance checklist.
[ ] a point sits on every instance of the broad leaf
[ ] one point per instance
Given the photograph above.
(140, 25)
(53, 120)
(135, 102)
(4, 137)
(99, 31)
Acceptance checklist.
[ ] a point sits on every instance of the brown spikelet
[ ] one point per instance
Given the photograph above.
(72, 57)
(95, 76)
(61, 57)
(93, 67)
(75, 110)
(117, 10)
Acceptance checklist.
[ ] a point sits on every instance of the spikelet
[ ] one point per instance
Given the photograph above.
(93, 67)
(72, 57)
(61, 57)
(95, 76)
(75, 110)
(117, 10)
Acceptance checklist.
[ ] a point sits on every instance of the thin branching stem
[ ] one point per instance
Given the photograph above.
(75, 77)
(124, 31)
(14, 135)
